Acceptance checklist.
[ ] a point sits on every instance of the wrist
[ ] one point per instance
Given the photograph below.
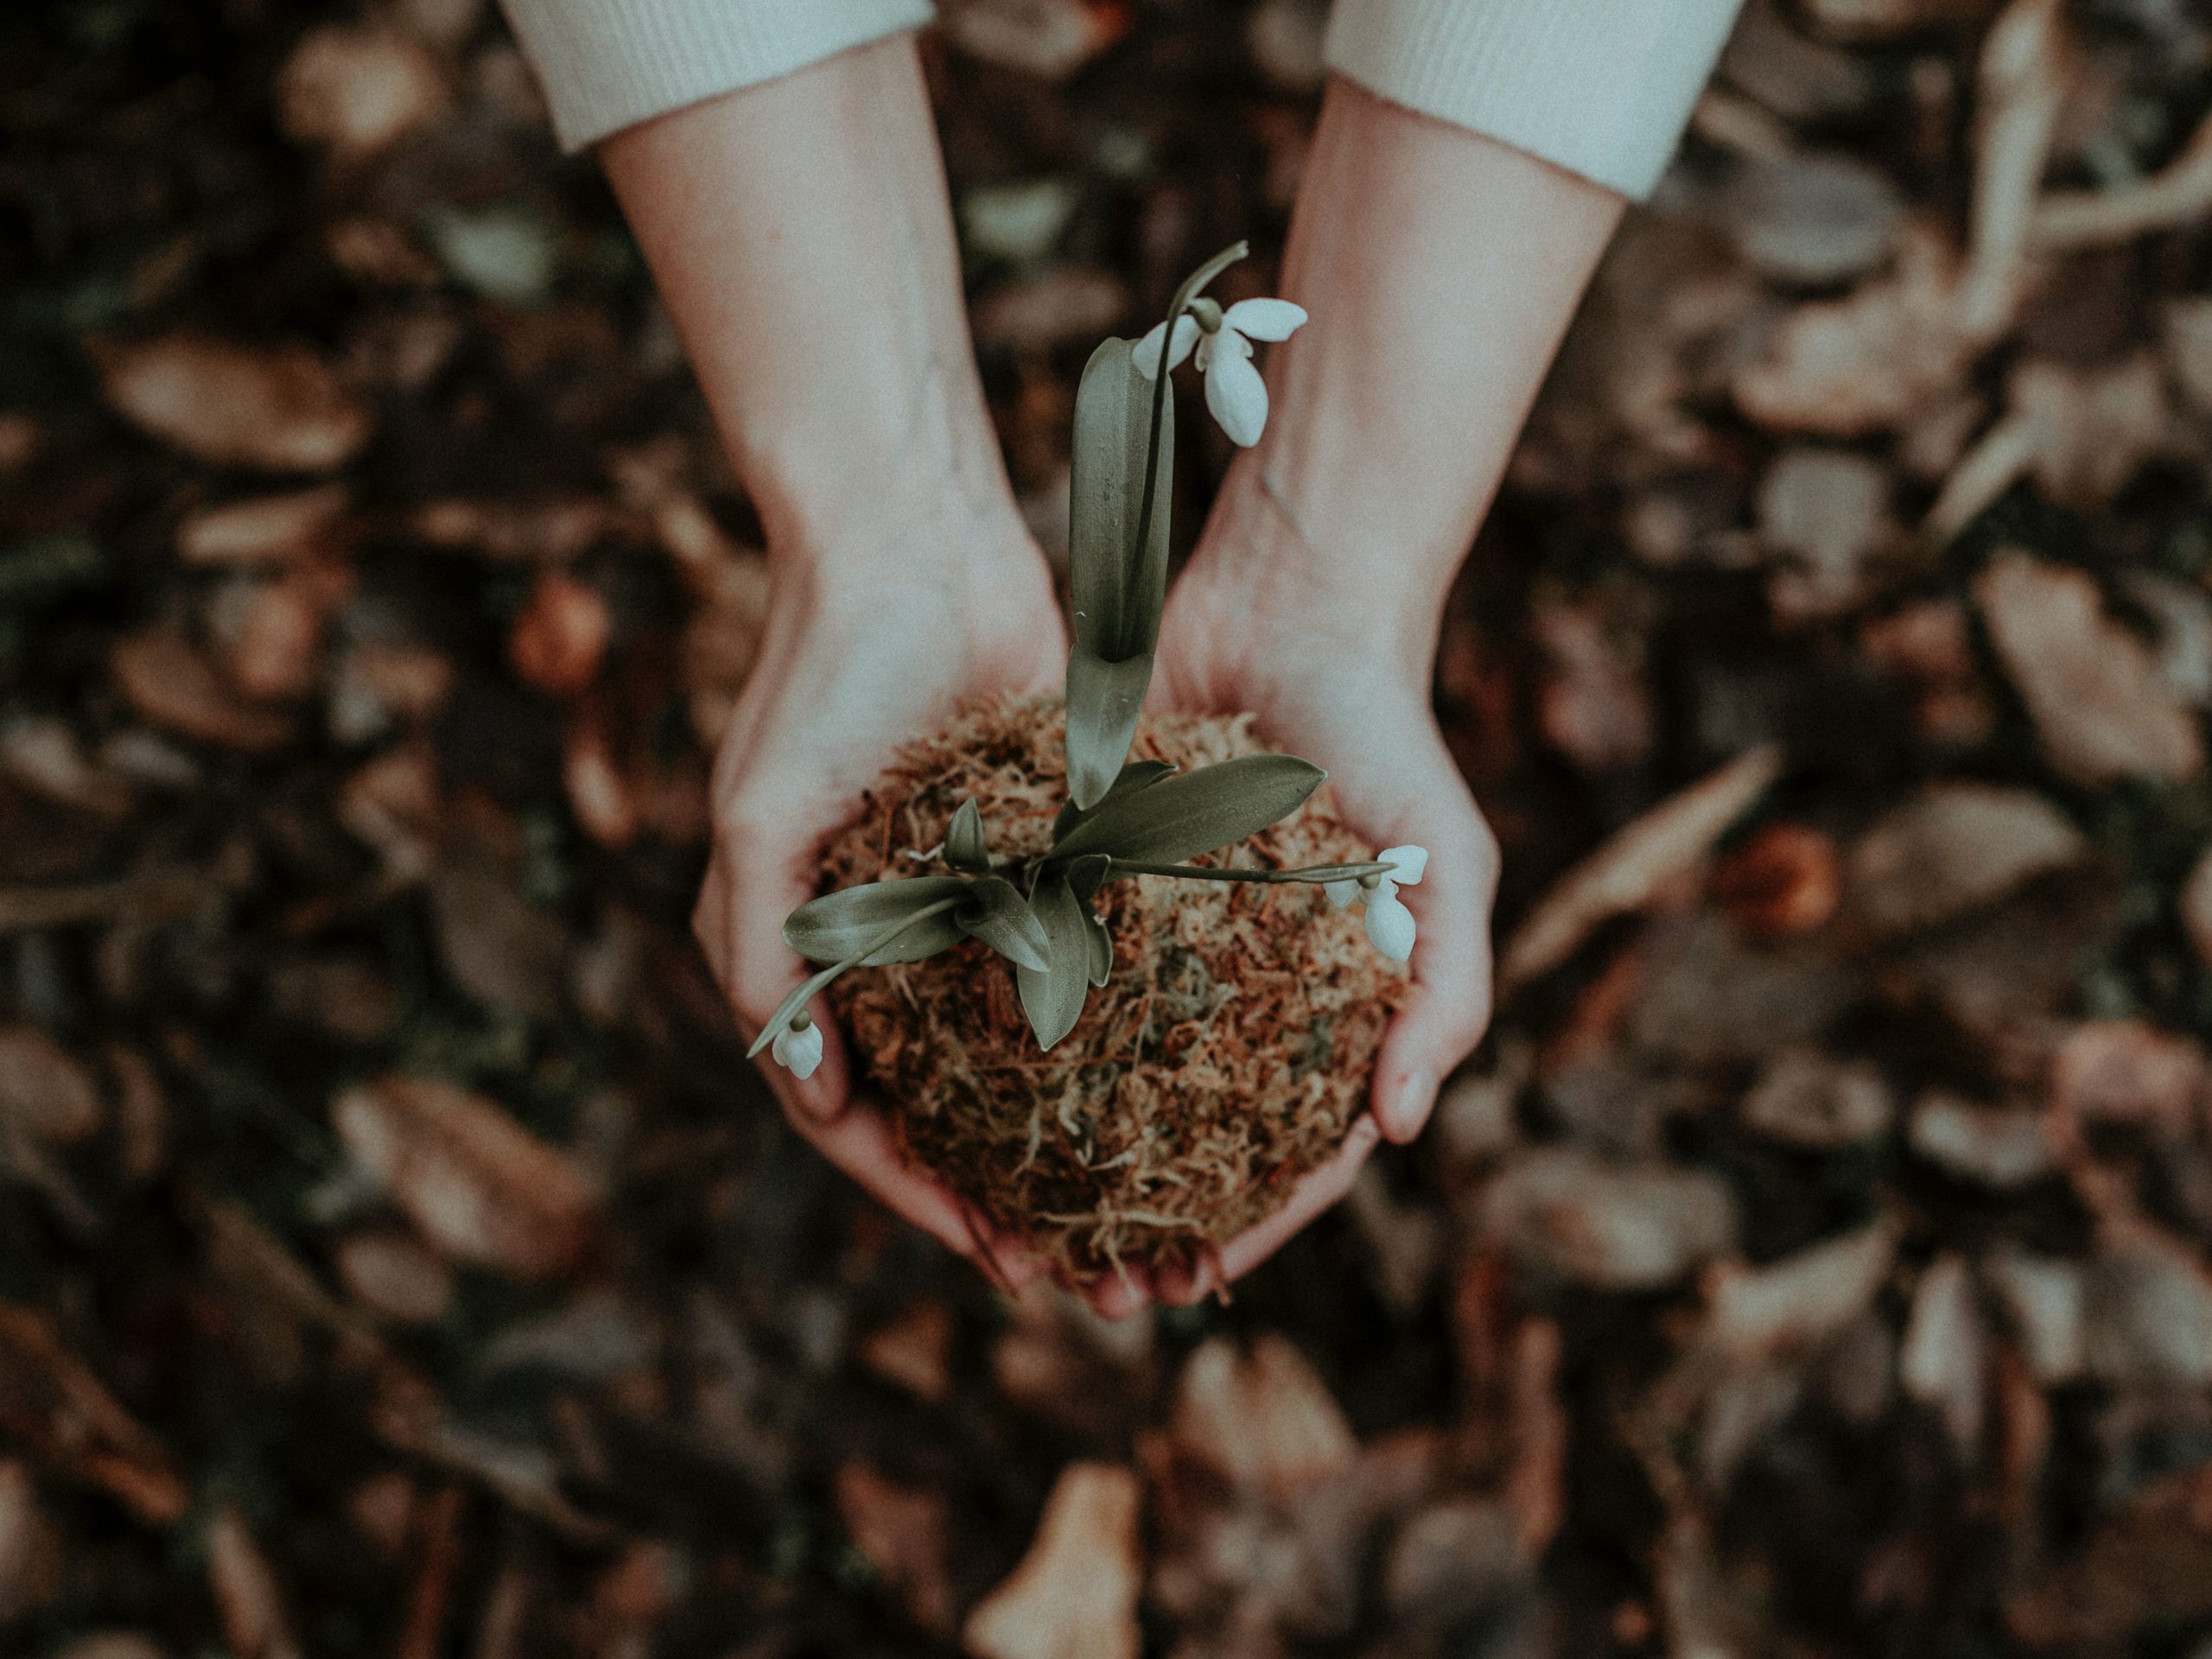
(1319, 583)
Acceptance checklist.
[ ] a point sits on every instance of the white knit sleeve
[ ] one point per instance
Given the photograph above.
(607, 64)
(1601, 87)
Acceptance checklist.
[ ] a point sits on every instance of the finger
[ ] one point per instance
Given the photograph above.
(1118, 1295)
(1316, 1191)
(1449, 1006)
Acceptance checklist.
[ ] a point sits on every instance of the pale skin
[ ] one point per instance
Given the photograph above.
(802, 237)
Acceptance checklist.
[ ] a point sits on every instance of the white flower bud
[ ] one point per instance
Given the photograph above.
(1390, 925)
(798, 1052)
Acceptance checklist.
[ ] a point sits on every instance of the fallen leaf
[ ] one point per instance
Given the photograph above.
(913, 1351)
(1049, 39)
(1806, 1098)
(52, 1405)
(2045, 1301)
(1074, 1595)
(174, 686)
(1945, 1354)
(246, 1593)
(1591, 703)
(1855, 366)
(357, 91)
(277, 408)
(1996, 1147)
(904, 1534)
(1825, 515)
(1951, 848)
(2128, 1072)
(1615, 1228)
(1631, 867)
(1265, 1420)
(1785, 880)
(45, 1095)
(1802, 1300)
(393, 1274)
(561, 635)
(1815, 217)
(476, 1183)
(2089, 683)
(263, 530)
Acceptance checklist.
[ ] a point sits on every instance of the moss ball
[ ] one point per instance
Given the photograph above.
(1227, 1055)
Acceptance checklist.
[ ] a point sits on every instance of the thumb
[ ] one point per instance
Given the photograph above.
(1450, 1005)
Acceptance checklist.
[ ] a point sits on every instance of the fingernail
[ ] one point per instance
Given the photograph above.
(1410, 1104)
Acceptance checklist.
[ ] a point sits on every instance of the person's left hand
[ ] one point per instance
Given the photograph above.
(1342, 679)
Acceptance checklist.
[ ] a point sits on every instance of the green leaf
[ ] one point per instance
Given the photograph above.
(1104, 700)
(1117, 566)
(832, 927)
(1134, 776)
(1117, 576)
(965, 848)
(1053, 999)
(997, 914)
(1196, 812)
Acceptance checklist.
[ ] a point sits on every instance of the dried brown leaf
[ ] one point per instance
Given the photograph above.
(45, 1095)
(281, 408)
(1631, 867)
(263, 529)
(1265, 1420)
(904, 1534)
(2089, 685)
(1074, 1595)
(476, 1183)
(52, 1405)
(356, 90)
(174, 686)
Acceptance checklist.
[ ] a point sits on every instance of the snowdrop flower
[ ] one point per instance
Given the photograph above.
(798, 1046)
(1389, 923)
(1235, 392)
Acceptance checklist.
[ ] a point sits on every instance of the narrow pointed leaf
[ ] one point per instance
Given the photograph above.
(997, 914)
(1053, 999)
(1104, 699)
(832, 927)
(1117, 565)
(1196, 812)
(1117, 573)
(965, 848)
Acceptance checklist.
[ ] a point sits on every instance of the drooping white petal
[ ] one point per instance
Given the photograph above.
(1235, 392)
(803, 1052)
(1146, 355)
(1341, 892)
(1412, 862)
(1390, 925)
(780, 1049)
(1264, 318)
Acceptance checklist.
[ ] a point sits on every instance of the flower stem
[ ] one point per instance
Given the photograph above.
(1196, 280)
(1311, 874)
(806, 991)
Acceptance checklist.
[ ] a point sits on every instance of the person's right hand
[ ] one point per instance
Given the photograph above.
(867, 645)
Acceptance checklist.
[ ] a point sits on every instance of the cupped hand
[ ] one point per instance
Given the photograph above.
(865, 645)
(1342, 678)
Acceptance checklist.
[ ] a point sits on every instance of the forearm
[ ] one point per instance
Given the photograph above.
(1440, 269)
(802, 239)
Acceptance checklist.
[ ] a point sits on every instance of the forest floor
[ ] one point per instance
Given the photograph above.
(398, 1258)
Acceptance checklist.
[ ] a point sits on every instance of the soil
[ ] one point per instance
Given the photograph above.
(1226, 1056)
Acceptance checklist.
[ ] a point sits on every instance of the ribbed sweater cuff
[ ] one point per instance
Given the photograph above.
(1601, 87)
(609, 64)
